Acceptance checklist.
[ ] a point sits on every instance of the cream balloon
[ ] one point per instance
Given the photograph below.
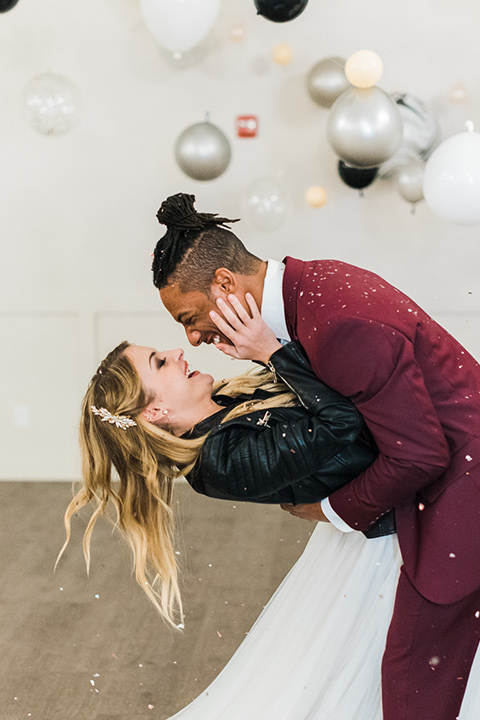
(451, 184)
(282, 54)
(316, 196)
(364, 68)
(179, 25)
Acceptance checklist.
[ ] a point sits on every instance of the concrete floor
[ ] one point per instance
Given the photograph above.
(78, 648)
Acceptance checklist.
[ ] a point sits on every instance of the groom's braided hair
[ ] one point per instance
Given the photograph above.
(195, 245)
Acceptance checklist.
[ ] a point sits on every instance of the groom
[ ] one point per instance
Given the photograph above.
(419, 392)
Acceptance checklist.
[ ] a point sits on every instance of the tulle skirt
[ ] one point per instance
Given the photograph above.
(315, 651)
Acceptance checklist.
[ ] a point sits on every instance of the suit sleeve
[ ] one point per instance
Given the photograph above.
(376, 367)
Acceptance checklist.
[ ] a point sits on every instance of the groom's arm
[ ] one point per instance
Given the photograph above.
(376, 367)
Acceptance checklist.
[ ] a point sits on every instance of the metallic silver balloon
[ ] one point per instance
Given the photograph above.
(364, 127)
(410, 182)
(326, 81)
(203, 151)
(52, 104)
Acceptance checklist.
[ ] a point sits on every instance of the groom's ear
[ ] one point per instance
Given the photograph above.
(224, 282)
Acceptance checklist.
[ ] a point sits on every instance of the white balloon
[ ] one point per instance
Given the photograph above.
(179, 25)
(52, 104)
(451, 183)
(266, 204)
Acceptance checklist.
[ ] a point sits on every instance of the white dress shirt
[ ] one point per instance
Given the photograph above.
(273, 313)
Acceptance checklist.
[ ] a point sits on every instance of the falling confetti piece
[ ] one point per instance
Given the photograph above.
(61, 588)
(150, 707)
(96, 674)
(468, 458)
(421, 506)
(452, 555)
(219, 635)
(97, 596)
(477, 615)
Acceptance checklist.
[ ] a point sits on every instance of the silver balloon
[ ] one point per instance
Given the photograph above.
(266, 204)
(364, 127)
(326, 81)
(52, 104)
(421, 134)
(410, 182)
(203, 151)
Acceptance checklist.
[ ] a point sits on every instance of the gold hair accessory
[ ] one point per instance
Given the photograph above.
(121, 421)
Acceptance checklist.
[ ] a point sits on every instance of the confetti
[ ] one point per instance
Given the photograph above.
(477, 615)
(150, 707)
(452, 555)
(421, 506)
(97, 596)
(219, 635)
(468, 458)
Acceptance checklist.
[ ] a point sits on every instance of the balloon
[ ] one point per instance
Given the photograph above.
(203, 151)
(364, 68)
(237, 33)
(326, 81)
(357, 178)
(451, 184)
(316, 196)
(6, 5)
(266, 204)
(282, 54)
(179, 25)
(52, 104)
(364, 127)
(280, 10)
(457, 94)
(420, 134)
(410, 182)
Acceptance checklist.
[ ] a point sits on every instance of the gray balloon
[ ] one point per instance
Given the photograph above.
(326, 81)
(410, 182)
(203, 151)
(364, 127)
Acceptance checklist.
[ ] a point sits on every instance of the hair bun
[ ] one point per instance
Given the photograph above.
(178, 212)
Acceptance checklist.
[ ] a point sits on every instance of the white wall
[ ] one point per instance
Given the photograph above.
(77, 217)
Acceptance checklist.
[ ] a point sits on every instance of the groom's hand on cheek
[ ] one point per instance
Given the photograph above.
(310, 511)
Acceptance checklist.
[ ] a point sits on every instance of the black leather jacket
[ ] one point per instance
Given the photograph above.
(286, 454)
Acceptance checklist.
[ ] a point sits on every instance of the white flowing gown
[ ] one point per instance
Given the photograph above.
(315, 651)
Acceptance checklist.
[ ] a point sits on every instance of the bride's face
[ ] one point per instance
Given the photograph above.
(170, 383)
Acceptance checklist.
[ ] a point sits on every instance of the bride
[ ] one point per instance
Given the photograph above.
(277, 436)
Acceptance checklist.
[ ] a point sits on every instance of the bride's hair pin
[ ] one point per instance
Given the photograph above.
(121, 421)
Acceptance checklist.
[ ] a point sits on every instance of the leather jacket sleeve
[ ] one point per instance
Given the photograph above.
(257, 456)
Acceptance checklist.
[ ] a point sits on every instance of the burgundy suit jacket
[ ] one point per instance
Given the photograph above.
(419, 392)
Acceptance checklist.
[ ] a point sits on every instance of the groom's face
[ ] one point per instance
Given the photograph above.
(191, 310)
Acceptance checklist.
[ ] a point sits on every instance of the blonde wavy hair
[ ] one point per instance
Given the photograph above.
(147, 460)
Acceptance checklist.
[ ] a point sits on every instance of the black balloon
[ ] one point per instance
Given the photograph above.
(280, 10)
(7, 5)
(357, 178)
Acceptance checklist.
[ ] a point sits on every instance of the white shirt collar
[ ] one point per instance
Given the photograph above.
(272, 309)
